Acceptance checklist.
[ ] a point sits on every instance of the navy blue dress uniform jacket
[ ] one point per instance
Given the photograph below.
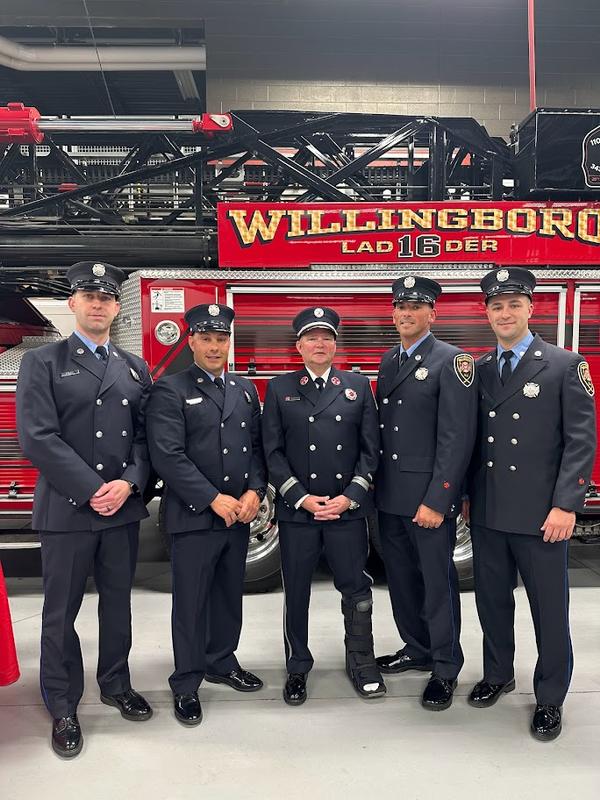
(81, 423)
(536, 439)
(203, 443)
(320, 442)
(427, 416)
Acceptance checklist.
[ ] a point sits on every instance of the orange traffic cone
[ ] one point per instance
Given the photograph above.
(9, 666)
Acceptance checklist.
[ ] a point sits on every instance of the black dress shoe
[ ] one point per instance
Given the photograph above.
(484, 694)
(187, 708)
(438, 693)
(239, 679)
(547, 722)
(294, 691)
(401, 662)
(67, 739)
(131, 705)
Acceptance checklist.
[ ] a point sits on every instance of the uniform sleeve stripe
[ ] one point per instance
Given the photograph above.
(287, 485)
(361, 482)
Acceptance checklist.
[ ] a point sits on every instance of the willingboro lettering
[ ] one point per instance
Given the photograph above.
(298, 235)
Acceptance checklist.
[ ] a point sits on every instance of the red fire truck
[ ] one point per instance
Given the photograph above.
(404, 197)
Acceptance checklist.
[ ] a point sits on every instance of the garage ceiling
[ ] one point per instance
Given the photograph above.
(92, 23)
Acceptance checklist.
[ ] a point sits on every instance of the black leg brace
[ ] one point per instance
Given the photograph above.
(360, 657)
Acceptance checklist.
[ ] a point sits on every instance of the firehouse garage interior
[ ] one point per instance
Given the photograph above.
(414, 103)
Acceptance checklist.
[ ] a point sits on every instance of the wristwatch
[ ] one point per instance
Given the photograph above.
(353, 505)
(261, 493)
(133, 487)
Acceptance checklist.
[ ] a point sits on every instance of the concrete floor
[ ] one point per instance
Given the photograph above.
(335, 746)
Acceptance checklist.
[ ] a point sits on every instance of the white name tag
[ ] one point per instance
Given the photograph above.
(193, 400)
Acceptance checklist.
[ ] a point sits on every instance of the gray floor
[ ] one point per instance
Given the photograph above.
(335, 746)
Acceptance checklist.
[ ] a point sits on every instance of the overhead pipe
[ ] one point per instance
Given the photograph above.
(531, 47)
(109, 59)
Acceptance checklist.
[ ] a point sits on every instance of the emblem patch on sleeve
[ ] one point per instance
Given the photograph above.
(583, 373)
(464, 367)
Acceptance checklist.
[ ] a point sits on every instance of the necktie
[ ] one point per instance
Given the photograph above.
(403, 357)
(101, 353)
(220, 385)
(506, 371)
(320, 383)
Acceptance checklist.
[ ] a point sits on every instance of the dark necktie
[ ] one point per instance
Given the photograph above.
(220, 385)
(320, 383)
(102, 353)
(506, 371)
(403, 358)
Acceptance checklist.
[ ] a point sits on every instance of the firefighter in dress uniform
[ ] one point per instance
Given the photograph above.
(80, 418)
(321, 445)
(204, 438)
(531, 467)
(427, 415)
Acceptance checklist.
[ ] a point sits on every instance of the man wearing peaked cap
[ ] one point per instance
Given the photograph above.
(80, 417)
(530, 471)
(427, 413)
(204, 435)
(321, 442)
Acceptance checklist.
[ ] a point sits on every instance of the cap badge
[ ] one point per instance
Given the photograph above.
(303, 380)
(421, 373)
(214, 310)
(502, 275)
(531, 389)
(335, 380)
(318, 312)
(409, 282)
(350, 394)
(99, 270)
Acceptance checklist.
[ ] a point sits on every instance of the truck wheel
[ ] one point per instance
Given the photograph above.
(463, 551)
(463, 555)
(263, 562)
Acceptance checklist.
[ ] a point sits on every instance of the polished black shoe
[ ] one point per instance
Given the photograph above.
(187, 708)
(438, 693)
(547, 722)
(484, 694)
(239, 679)
(401, 662)
(131, 704)
(67, 739)
(294, 691)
